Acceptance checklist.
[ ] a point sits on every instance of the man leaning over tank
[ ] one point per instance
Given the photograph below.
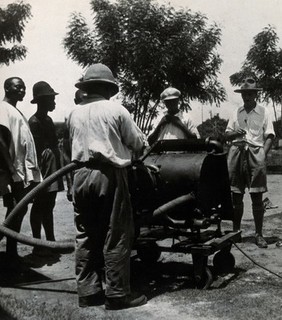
(173, 125)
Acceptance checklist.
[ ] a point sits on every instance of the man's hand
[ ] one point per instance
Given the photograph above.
(178, 123)
(240, 132)
(231, 135)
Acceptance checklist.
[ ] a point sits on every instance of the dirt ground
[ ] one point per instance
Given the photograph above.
(253, 290)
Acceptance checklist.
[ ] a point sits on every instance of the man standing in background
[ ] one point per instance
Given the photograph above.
(173, 125)
(251, 133)
(48, 155)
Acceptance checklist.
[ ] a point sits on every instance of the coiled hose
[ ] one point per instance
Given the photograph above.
(4, 228)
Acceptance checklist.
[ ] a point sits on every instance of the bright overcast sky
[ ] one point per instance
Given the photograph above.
(240, 21)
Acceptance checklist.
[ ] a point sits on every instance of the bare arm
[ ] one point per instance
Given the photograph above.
(4, 151)
(153, 137)
(66, 160)
(268, 143)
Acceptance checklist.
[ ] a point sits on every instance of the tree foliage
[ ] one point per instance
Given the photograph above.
(149, 47)
(264, 62)
(12, 23)
(213, 127)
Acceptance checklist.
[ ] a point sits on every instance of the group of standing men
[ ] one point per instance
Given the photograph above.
(28, 153)
(103, 136)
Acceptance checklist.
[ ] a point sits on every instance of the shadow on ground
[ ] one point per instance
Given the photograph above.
(17, 273)
(164, 277)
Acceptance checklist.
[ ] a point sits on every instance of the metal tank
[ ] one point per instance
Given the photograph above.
(180, 191)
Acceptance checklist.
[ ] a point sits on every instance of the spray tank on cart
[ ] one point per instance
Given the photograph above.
(180, 189)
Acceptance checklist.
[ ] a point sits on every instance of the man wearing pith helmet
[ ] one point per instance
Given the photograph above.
(251, 133)
(173, 125)
(103, 135)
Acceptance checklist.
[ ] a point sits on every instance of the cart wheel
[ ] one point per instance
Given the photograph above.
(149, 252)
(223, 262)
(206, 280)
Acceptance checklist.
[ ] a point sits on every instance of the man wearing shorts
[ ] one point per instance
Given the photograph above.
(251, 133)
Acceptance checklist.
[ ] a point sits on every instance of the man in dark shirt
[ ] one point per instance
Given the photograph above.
(46, 142)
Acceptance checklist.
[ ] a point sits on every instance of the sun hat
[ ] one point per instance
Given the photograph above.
(248, 84)
(170, 93)
(98, 73)
(40, 89)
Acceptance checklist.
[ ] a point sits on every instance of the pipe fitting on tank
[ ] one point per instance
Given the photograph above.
(213, 146)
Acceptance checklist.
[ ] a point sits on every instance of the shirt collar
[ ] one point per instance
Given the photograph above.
(255, 109)
(93, 97)
(179, 114)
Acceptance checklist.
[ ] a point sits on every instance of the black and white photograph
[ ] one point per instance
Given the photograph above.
(140, 159)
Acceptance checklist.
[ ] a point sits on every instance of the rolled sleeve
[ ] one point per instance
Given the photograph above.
(268, 125)
(132, 136)
(231, 123)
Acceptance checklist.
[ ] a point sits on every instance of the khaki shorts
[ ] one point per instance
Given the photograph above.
(247, 169)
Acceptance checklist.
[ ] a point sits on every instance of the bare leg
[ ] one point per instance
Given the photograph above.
(258, 213)
(47, 218)
(238, 206)
(35, 219)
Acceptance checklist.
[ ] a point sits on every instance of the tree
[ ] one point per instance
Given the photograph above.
(149, 47)
(264, 62)
(213, 127)
(12, 24)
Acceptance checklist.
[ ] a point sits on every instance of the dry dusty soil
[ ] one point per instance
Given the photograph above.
(253, 290)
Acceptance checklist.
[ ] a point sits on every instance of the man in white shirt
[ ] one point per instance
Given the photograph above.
(18, 159)
(104, 137)
(251, 133)
(173, 125)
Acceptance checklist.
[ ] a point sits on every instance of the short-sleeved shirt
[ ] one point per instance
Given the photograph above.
(171, 131)
(257, 124)
(103, 130)
(21, 145)
(246, 157)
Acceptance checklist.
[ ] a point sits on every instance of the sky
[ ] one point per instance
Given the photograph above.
(239, 20)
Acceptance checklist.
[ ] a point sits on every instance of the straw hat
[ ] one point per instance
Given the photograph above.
(248, 84)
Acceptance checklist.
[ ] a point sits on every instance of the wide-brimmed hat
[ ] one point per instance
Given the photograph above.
(248, 84)
(41, 89)
(170, 93)
(98, 73)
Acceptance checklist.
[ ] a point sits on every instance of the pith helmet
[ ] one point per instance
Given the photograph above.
(40, 89)
(98, 73)
(170, 93)
(248, 84)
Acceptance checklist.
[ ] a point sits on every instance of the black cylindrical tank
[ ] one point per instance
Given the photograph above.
(204, 173)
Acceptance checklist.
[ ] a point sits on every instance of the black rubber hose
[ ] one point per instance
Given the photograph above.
(24, 202)
(59, 245)
(170, 206)
(44, 184)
